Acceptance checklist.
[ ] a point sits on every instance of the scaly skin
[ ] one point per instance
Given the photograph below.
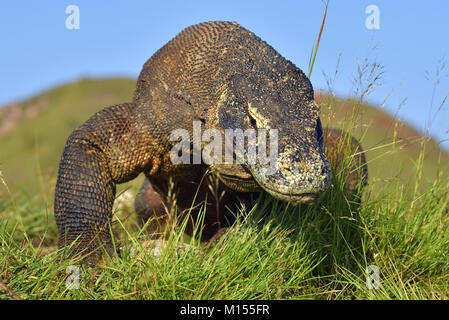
(217, 73)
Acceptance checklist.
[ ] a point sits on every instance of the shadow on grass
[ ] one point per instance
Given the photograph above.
(333, 229)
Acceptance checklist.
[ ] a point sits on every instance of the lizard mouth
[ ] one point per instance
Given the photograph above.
(249, 183)
(299, 198)
(244, 184)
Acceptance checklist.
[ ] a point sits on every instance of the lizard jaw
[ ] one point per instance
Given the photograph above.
(296, 199)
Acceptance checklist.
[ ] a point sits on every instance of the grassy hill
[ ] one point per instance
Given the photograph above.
(319, 251)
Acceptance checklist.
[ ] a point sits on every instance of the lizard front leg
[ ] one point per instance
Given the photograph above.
(110, 148)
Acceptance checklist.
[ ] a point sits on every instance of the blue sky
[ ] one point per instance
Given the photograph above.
(115, 38)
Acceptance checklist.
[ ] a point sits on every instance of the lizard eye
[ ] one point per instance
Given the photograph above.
(252, 121)
(319, 132)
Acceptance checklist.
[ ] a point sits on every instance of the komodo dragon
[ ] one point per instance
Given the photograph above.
(217, 73)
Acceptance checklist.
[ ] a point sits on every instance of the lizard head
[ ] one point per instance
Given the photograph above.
(290, 163)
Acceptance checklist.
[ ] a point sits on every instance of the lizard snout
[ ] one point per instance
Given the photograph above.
(297, 179)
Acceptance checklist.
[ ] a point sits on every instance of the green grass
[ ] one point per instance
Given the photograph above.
(319, 251)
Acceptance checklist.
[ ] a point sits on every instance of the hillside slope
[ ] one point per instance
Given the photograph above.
(33, 133)
(32, 146)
